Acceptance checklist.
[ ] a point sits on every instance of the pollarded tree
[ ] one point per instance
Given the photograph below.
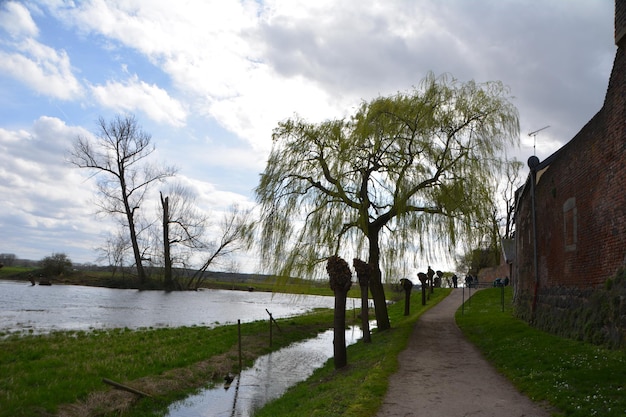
(340, 278)
(407, 174)
(117, 155)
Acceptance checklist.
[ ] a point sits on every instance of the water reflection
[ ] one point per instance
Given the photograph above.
(40, 309)
(270, 376)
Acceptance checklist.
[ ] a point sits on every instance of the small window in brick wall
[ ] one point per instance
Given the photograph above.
(570, 227)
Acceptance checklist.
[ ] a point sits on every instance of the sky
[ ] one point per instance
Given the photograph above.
(210, 79)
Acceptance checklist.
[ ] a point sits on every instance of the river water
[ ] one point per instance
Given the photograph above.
(268, 379)
(41, 309)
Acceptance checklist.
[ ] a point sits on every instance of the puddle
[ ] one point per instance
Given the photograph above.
(269, 377)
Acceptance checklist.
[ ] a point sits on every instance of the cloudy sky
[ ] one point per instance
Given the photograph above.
(209, 80)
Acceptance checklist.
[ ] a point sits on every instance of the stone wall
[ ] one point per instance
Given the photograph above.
(596, 316)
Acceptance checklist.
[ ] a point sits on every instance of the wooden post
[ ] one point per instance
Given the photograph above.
(239, 337)
(125, 387)
(270, 327)
(463, 302)
(272, 319)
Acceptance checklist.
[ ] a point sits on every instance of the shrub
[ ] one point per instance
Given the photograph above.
(56, 264)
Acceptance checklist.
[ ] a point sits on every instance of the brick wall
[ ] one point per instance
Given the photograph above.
(490, 274)
(580, 202)
(620, 22)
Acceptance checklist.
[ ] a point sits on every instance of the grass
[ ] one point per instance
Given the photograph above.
(577, 378)
(357, 390)
(8, 271)
(38, 374)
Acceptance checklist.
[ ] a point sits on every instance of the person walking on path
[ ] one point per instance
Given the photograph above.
(441, 374)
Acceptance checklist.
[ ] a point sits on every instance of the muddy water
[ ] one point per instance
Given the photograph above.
(269, 377)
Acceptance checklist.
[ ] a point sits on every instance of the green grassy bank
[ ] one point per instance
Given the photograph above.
(40, 373)
(577, 378)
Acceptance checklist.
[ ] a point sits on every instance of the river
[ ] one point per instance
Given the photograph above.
(42, 309)
(268, 379)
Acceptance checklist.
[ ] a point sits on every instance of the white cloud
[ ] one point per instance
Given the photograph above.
(211, 52)
(16, 20)
(35, 160)
(198, 42)
(45, 200)
(210, 199)
(45, 70)
(40, 67)
(135, 94)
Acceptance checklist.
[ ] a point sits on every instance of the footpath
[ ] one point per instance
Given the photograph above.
(441, 374)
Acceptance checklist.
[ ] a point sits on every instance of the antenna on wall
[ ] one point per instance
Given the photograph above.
(534, 135)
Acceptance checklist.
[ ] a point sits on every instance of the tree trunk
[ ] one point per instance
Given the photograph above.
(363, 273)
(407, 302)
(141, 274)
(167, 272)
(340, 282)
(130, 216)
(407, 285)
(365, 318)
(424, 280)
(376, 285)
(339, 340)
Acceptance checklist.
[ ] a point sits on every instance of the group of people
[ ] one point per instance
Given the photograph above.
(469, 281)
(434, 278)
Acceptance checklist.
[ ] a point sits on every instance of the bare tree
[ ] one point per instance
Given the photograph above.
(183, 225)
(114, 250)
(499, 224)
(117, 155)
(512, 170)
(7, 259)
(232, 233)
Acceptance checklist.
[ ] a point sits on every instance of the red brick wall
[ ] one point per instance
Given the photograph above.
(590, 170)
(490, 274)
(620, 22)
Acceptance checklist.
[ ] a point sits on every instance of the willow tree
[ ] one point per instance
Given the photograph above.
(408, 174)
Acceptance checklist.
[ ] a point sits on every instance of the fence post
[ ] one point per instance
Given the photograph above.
(271, 329)
(239, 337)
(463, 302)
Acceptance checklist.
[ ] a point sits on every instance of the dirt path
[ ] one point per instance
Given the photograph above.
(442, 375)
